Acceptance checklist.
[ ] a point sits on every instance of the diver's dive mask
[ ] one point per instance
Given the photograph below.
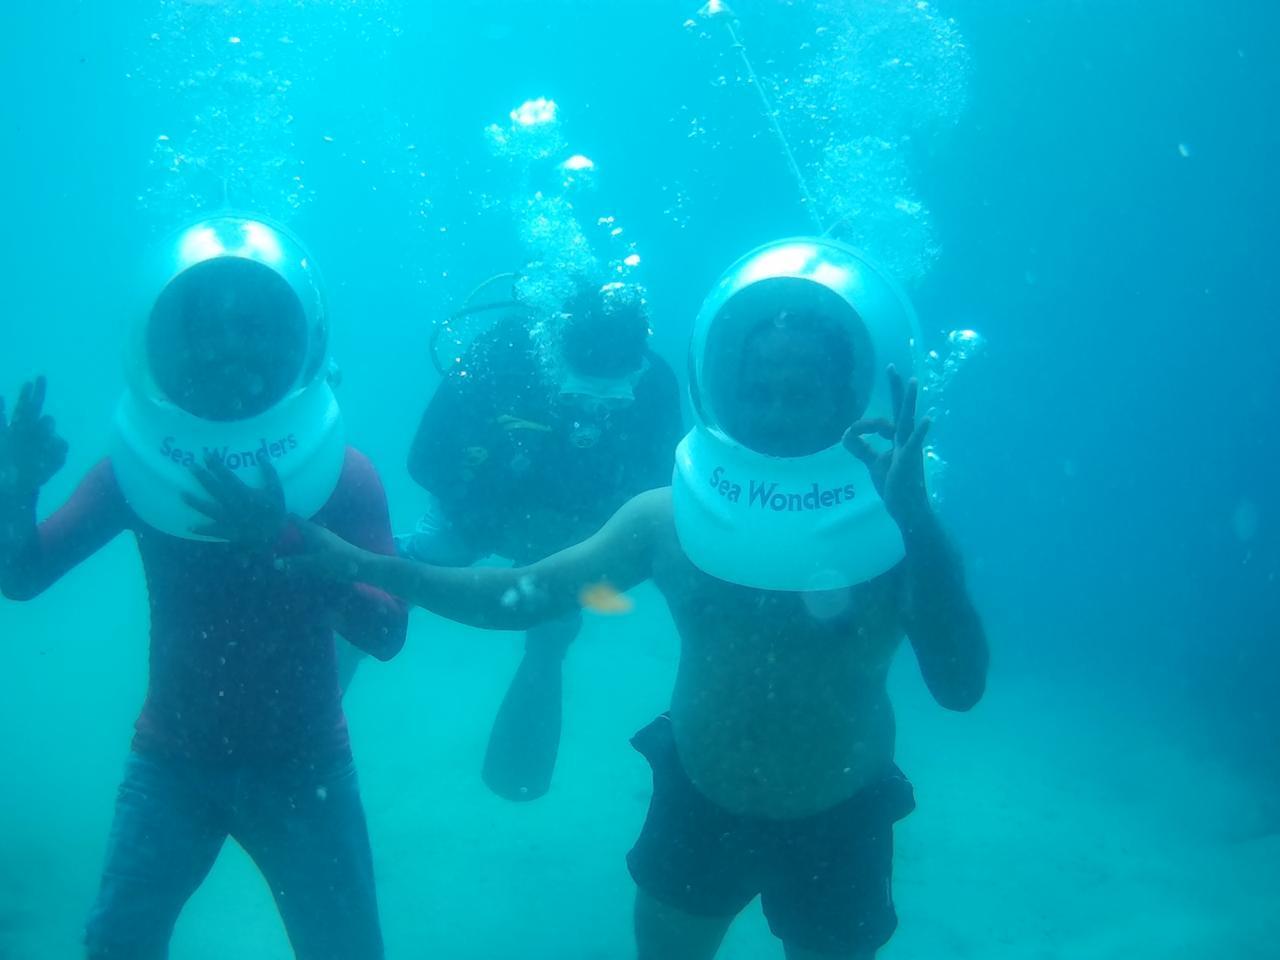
(589, 401)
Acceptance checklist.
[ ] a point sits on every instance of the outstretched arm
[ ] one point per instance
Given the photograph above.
(256, 519)
(495, 598)
(369, 618)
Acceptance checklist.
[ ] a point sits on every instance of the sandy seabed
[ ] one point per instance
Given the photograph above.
(1048, 826)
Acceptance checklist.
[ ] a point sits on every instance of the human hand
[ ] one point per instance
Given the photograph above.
(324, 555)
(898, 473)
(30, 449)
(237, 512)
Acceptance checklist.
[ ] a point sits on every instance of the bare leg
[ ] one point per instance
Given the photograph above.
(665, 933)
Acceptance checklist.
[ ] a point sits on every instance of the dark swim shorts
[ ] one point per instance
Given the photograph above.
(824, 880)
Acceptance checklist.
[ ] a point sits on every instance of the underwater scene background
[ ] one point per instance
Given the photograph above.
(1077, 196)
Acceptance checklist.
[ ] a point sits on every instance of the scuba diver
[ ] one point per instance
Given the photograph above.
(242, 733)
(539, 431)
(796, 546)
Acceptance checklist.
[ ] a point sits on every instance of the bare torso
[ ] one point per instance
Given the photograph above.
(780, 708)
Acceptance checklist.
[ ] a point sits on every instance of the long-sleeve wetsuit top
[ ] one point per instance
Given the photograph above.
(242, 662)
(506, 458)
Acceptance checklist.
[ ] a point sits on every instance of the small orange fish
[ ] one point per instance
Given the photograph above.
(602, 598)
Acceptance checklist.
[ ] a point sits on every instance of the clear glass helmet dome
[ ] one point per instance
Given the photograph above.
(789, 350)
(238, 323)
(808, 306)
(229, 361)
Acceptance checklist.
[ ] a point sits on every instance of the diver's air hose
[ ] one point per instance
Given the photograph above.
(720, 11)
(469, 309)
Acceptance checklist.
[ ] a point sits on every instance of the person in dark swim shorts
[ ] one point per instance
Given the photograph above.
(824, 880)
(796, 549)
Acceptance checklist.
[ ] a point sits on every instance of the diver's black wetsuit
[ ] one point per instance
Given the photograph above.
(517, 471)
(520, 471)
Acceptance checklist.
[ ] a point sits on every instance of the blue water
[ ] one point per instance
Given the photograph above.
(1088, 186)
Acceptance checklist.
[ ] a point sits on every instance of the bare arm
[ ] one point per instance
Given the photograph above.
(619, 555)
(942, 623)
(369, 618)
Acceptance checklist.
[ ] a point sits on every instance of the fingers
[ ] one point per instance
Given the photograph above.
(895, 391)
(907, 412)
(915, 443)
(206, 479)
(880, 426)
(855, 444)
(271, 481)
(208, 508)
(218, 480)
(222, 473)
(30, 400)
(27, 414)
(21, 405)
(903, 397)
(215, 531)
(37, 396)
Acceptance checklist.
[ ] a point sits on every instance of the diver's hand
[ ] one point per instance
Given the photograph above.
(324, 555)
(898, 473)
(30, 449)
(237, 512)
